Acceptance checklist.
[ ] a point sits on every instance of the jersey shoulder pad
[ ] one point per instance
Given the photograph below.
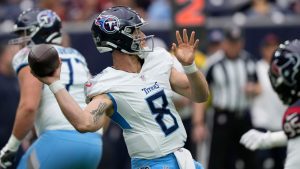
(160, 57)
(67, 51)
(162, 53)
(20, 59)
(291, 121)
(99, 84)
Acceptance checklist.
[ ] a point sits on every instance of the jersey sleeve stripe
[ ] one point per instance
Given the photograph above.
(116, 117)
(20, 67)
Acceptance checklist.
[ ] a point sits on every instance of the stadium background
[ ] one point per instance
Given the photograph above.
(164, 16)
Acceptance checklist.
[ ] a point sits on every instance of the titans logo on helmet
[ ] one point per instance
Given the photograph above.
(46, 18)
(108, 23)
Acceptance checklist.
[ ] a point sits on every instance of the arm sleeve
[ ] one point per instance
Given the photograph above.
(20, 60)
(278, 139)
(97, 85)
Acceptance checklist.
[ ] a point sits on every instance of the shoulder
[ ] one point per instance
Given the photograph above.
(65, 50)
(160, 58)
(68, 51)
(214, 59)
(291, 120)
(293, 109)
(247, 56)
(101, 83)
(160, 54)
(20, 59)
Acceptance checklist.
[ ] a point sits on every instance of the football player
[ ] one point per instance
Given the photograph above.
(136, 92)
(285, 79)
(58, 145)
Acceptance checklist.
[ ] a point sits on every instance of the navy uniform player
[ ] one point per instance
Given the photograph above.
(58, 145)
(285, 79)
(136, 92)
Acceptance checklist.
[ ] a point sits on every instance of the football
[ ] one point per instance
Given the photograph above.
(43, 60)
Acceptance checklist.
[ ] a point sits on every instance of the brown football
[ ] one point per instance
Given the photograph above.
(43, 59)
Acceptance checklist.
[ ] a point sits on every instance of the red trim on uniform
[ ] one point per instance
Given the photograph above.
(290, 110)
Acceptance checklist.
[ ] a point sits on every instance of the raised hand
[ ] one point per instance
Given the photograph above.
(185, 50)
(49, 79)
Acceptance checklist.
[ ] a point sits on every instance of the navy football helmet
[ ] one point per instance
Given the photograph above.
(37, 26)
(116, 28)
(285, 71)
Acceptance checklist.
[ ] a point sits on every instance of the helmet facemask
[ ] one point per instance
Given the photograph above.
(44, 29)
(141, 44)
(284, 75)
(23, 33)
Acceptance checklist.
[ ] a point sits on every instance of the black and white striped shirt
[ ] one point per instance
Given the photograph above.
(227, 79)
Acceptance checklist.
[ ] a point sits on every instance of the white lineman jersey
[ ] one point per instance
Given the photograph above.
(293, 151)
(74, 74)
(143, 106)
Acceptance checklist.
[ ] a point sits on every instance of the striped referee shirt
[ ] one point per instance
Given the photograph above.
(227, 79)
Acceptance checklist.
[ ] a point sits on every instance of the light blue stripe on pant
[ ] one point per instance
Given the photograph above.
(169, 161)
(63, 149)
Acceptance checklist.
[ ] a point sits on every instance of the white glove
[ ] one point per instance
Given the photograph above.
(254, 139)
(8, 152)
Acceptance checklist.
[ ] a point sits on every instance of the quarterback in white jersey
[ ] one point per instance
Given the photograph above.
(137, 91)
(55, 146)
(285, 79)
(143, 106)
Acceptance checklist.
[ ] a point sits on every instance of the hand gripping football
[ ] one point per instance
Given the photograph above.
(43, 60)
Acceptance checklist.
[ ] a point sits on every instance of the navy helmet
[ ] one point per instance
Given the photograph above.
(114, 29)
(37, 26)
(285, 71)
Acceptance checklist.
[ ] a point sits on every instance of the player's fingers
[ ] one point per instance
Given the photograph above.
(192, 38)
(247, 142)
(247, 139)
(173, 48)
(253, 146)
(178, 37)
(196, 44)
(243, 139)
(185, 36)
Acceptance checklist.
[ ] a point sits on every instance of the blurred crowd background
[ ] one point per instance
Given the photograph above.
(152, 10)
(263, 25)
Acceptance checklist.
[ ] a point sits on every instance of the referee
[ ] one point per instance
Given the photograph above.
(233, 83)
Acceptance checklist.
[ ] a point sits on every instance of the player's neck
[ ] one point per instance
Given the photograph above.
(127, 63)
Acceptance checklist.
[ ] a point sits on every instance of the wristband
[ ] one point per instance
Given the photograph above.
(56, 86)
(190, 68)
(278, 139)
(13, 143)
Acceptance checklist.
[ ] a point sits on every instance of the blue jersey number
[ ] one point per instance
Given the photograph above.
(161, 112)
(70, 67)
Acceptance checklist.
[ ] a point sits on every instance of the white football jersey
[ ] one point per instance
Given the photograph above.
(143, 106)
(74, 73)
(293, 152)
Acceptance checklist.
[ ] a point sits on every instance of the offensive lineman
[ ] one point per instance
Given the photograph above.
(285, 79)
(136, 92)
(58, 145)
